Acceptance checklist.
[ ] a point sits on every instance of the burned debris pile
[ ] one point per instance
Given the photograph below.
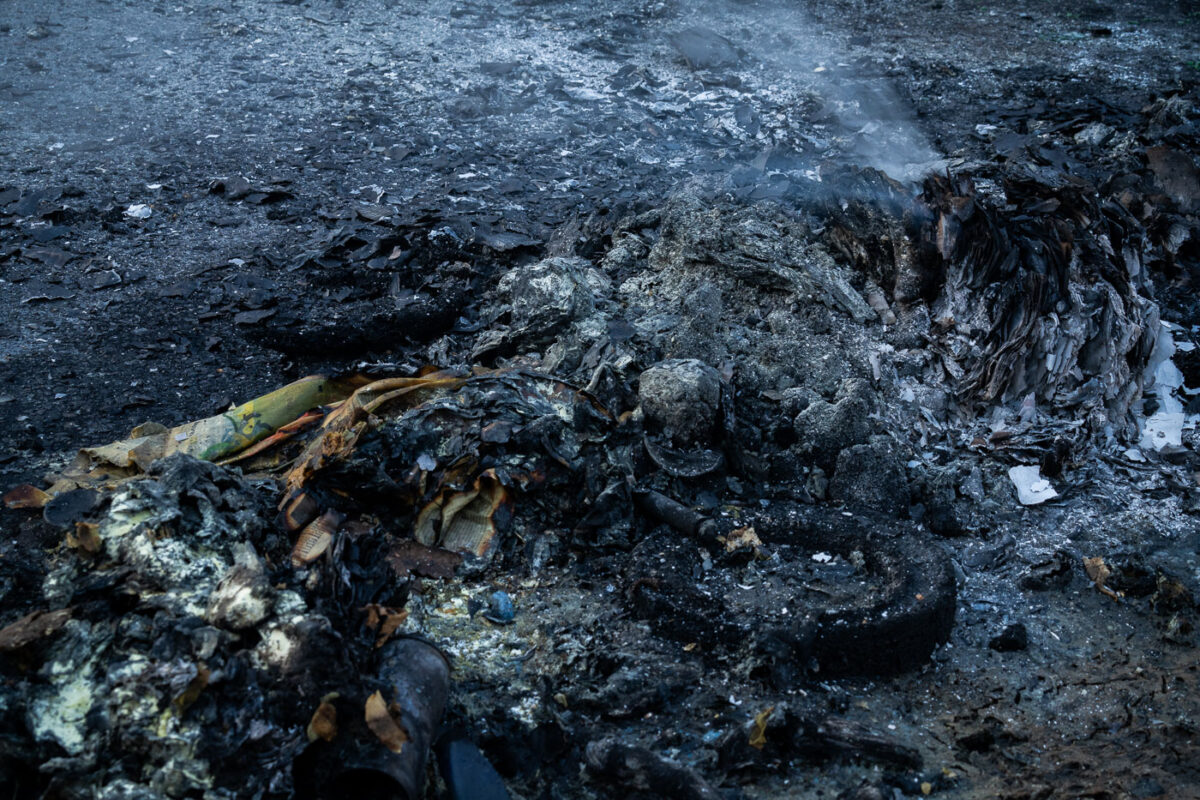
(622, 510)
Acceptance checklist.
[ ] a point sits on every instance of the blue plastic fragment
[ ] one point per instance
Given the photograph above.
(500, 608)
(467, 772)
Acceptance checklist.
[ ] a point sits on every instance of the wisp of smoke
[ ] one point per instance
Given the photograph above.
(791, 47)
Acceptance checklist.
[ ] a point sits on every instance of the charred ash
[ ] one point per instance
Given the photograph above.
(816, 475)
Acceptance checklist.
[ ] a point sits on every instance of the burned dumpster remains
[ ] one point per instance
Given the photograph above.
(763, 452)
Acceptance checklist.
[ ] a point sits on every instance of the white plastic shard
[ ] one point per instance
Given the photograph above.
(1163, 430)
(1032, 488)
(1134, 454)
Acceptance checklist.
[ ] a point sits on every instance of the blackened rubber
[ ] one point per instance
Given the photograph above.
(892, 630)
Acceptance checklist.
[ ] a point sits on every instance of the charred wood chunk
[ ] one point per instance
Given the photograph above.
(782, 732)
(636, 769)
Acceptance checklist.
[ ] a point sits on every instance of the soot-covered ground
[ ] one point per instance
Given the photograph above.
(828, 272)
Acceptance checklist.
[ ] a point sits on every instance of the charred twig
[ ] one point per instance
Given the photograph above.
(677, 515)
(635, 768)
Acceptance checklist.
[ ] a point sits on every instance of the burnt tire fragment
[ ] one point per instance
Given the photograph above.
(893, 609)
(898, 627)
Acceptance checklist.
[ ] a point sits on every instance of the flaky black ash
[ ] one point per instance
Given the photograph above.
(722, 377)
(821, 469)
